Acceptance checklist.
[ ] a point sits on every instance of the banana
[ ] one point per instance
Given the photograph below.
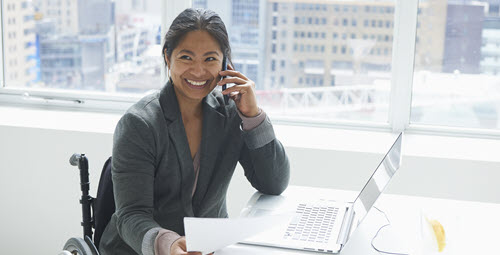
(439, 233)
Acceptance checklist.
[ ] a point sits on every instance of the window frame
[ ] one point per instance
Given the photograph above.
(405, 19)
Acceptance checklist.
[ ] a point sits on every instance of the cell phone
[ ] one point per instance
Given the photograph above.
(224, 68)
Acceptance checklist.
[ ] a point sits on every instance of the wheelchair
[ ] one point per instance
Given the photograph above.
(96, 212)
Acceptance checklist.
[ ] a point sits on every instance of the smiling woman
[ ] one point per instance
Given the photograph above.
(175, 151)
(194, 66)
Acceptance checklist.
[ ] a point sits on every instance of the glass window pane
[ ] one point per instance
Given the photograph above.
(337, 65)
(457, 64)
(94, 45)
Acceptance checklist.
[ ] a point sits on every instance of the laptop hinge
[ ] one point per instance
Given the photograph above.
(346, 225)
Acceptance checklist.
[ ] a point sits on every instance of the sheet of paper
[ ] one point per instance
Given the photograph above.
(207, 235)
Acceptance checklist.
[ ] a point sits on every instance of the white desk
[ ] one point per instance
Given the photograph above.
(471, 227)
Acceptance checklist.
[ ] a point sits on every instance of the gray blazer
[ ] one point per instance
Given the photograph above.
(153, 174)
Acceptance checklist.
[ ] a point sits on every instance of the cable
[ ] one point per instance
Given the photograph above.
(378, 231)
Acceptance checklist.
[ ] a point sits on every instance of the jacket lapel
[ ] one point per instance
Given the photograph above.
(214, 117)
(177, 134)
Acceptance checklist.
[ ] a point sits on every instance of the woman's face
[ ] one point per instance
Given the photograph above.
(195, 65)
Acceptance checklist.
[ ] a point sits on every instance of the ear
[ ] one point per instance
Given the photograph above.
(166, 58)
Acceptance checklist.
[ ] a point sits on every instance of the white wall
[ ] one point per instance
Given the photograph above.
(40, 191)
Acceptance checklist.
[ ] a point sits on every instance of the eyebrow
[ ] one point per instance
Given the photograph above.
(192, 53)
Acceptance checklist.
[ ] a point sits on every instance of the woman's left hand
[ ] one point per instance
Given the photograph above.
(243, 93)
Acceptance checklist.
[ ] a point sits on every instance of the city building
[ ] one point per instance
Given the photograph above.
(490, 47)
(76, 62)
(464, 26)
(19, 44)
(246, 32)
(430, 40)
(62, 13)
(75, 51)
(131, 43)
(314, 43)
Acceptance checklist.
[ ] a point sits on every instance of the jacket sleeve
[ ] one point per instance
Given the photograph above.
(133, 171)
(264, 159)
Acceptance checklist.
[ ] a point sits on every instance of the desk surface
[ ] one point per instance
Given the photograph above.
(470, 227)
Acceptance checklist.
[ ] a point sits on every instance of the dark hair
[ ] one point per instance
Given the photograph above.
(192, 20)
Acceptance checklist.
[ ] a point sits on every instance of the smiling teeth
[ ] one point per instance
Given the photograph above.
(197, 83)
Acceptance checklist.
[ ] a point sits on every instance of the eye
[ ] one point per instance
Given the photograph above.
(186, 57)
(210, 59)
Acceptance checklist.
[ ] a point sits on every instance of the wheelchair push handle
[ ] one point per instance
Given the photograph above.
(73, 160)
(86, 200)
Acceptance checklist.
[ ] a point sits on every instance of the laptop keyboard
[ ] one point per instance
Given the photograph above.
(312, 223)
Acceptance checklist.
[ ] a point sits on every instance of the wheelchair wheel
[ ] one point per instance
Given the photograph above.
(78, 246)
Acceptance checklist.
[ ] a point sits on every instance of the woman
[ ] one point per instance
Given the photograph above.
(175, 151)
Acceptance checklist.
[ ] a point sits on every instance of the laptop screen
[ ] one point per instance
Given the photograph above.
(378, 181)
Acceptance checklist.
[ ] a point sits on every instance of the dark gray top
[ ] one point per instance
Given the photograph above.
(153, 174)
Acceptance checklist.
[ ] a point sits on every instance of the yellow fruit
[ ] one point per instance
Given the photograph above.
(439, 232)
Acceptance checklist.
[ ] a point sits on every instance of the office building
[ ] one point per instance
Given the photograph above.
(75, 49)
(19, 43)
(430, 40)
(62, 13)
(311, 43)
(490, 50)
(245, 35)
(308, 41)
(464, 27)
(77, 62)
(106, 34)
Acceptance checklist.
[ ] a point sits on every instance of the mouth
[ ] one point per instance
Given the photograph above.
(197, 84)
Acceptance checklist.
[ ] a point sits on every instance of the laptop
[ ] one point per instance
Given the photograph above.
(326, 225)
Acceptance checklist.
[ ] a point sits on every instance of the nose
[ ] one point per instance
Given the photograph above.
(198, 69)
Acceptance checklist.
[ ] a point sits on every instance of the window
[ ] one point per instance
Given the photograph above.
(456, 66)
(452, 85)
(77, 57)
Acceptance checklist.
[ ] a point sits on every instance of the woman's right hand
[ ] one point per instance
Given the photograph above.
(179, 248)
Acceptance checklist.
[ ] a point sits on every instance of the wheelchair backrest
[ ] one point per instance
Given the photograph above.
(104, 203)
